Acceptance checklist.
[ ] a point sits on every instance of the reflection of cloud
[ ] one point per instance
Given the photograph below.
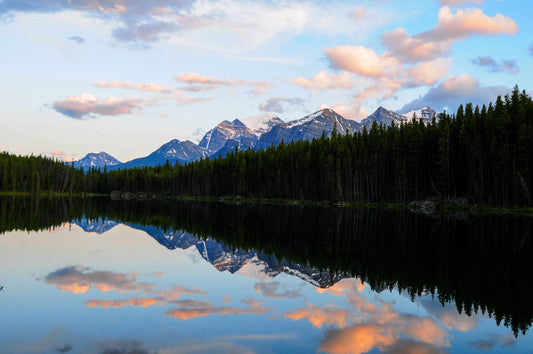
(190, 309)
(125, 346)
(357, 339)
(406, 346)
(79, 279)
(57, 340)
(319, 316)
(507, 341)
(135, 302)
(178, 291)
(271, 290)
(371, 324)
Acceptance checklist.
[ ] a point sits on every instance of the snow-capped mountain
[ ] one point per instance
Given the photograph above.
(307, 128)
(383, 116)
(173, 151)
(257, 132)
(424, 113)
(262, 123)
(97, 160)
(216, 138)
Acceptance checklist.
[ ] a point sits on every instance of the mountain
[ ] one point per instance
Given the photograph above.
(173, 151)
(424, 113)
(262, 123)
(383, 116)
(216, 138)
(307, 128)
(98, 160)
(257, 132)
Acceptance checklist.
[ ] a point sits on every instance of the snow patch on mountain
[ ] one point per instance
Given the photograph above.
(262, 123)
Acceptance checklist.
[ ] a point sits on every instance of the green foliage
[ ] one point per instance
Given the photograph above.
(485, 155)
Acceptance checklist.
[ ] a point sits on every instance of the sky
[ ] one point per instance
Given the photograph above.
(126, 76)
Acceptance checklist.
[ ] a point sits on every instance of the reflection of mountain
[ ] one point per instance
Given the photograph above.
(98, 225)
(249, 263)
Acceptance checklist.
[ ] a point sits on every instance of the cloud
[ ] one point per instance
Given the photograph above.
(184, 99)
(86, 105)
(530, 49)
(459, 2)
(456, 90)
(428, 73)
(274, 104)
(451, 27)
(361, 60)
(358, 14)
(271, 290)
(153, 87)
(197, 82)
(77, 39)
(63, 156)
(189, 309)
(322, 81)
(80, 279)
(506, 65)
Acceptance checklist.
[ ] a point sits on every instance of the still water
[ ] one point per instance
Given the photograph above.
(102, 276)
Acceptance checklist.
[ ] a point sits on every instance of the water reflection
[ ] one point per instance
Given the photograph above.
(300, 278)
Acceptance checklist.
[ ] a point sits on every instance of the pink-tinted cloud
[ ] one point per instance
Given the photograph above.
(451, 27)
(197, 82)
(190, 309)
(322, 81)
(362, 61)
(358, 14)
(153, 87)
(79, 279)
(465, 23)
(459, 2)
(184, 99)
(87, 105)
(414, 49)
(320, 316)
(135, 302)
(178, 291)
(428, 73)
(357, 339)
(63, 156)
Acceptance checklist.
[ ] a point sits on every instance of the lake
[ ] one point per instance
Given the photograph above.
(100, 276)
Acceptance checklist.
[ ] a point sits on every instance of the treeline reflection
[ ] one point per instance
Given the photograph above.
(482, 263)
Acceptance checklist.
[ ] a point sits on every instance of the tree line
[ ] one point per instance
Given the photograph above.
(482, 153)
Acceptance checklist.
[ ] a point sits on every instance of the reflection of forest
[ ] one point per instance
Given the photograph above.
(481, 262)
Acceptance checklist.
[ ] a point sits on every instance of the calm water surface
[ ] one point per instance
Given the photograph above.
(101, 276)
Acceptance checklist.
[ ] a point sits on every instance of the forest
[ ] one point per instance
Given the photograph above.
(484, 154)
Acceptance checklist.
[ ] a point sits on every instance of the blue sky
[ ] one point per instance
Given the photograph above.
(126, 76)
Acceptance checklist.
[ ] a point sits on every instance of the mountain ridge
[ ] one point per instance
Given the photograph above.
(259, 132)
